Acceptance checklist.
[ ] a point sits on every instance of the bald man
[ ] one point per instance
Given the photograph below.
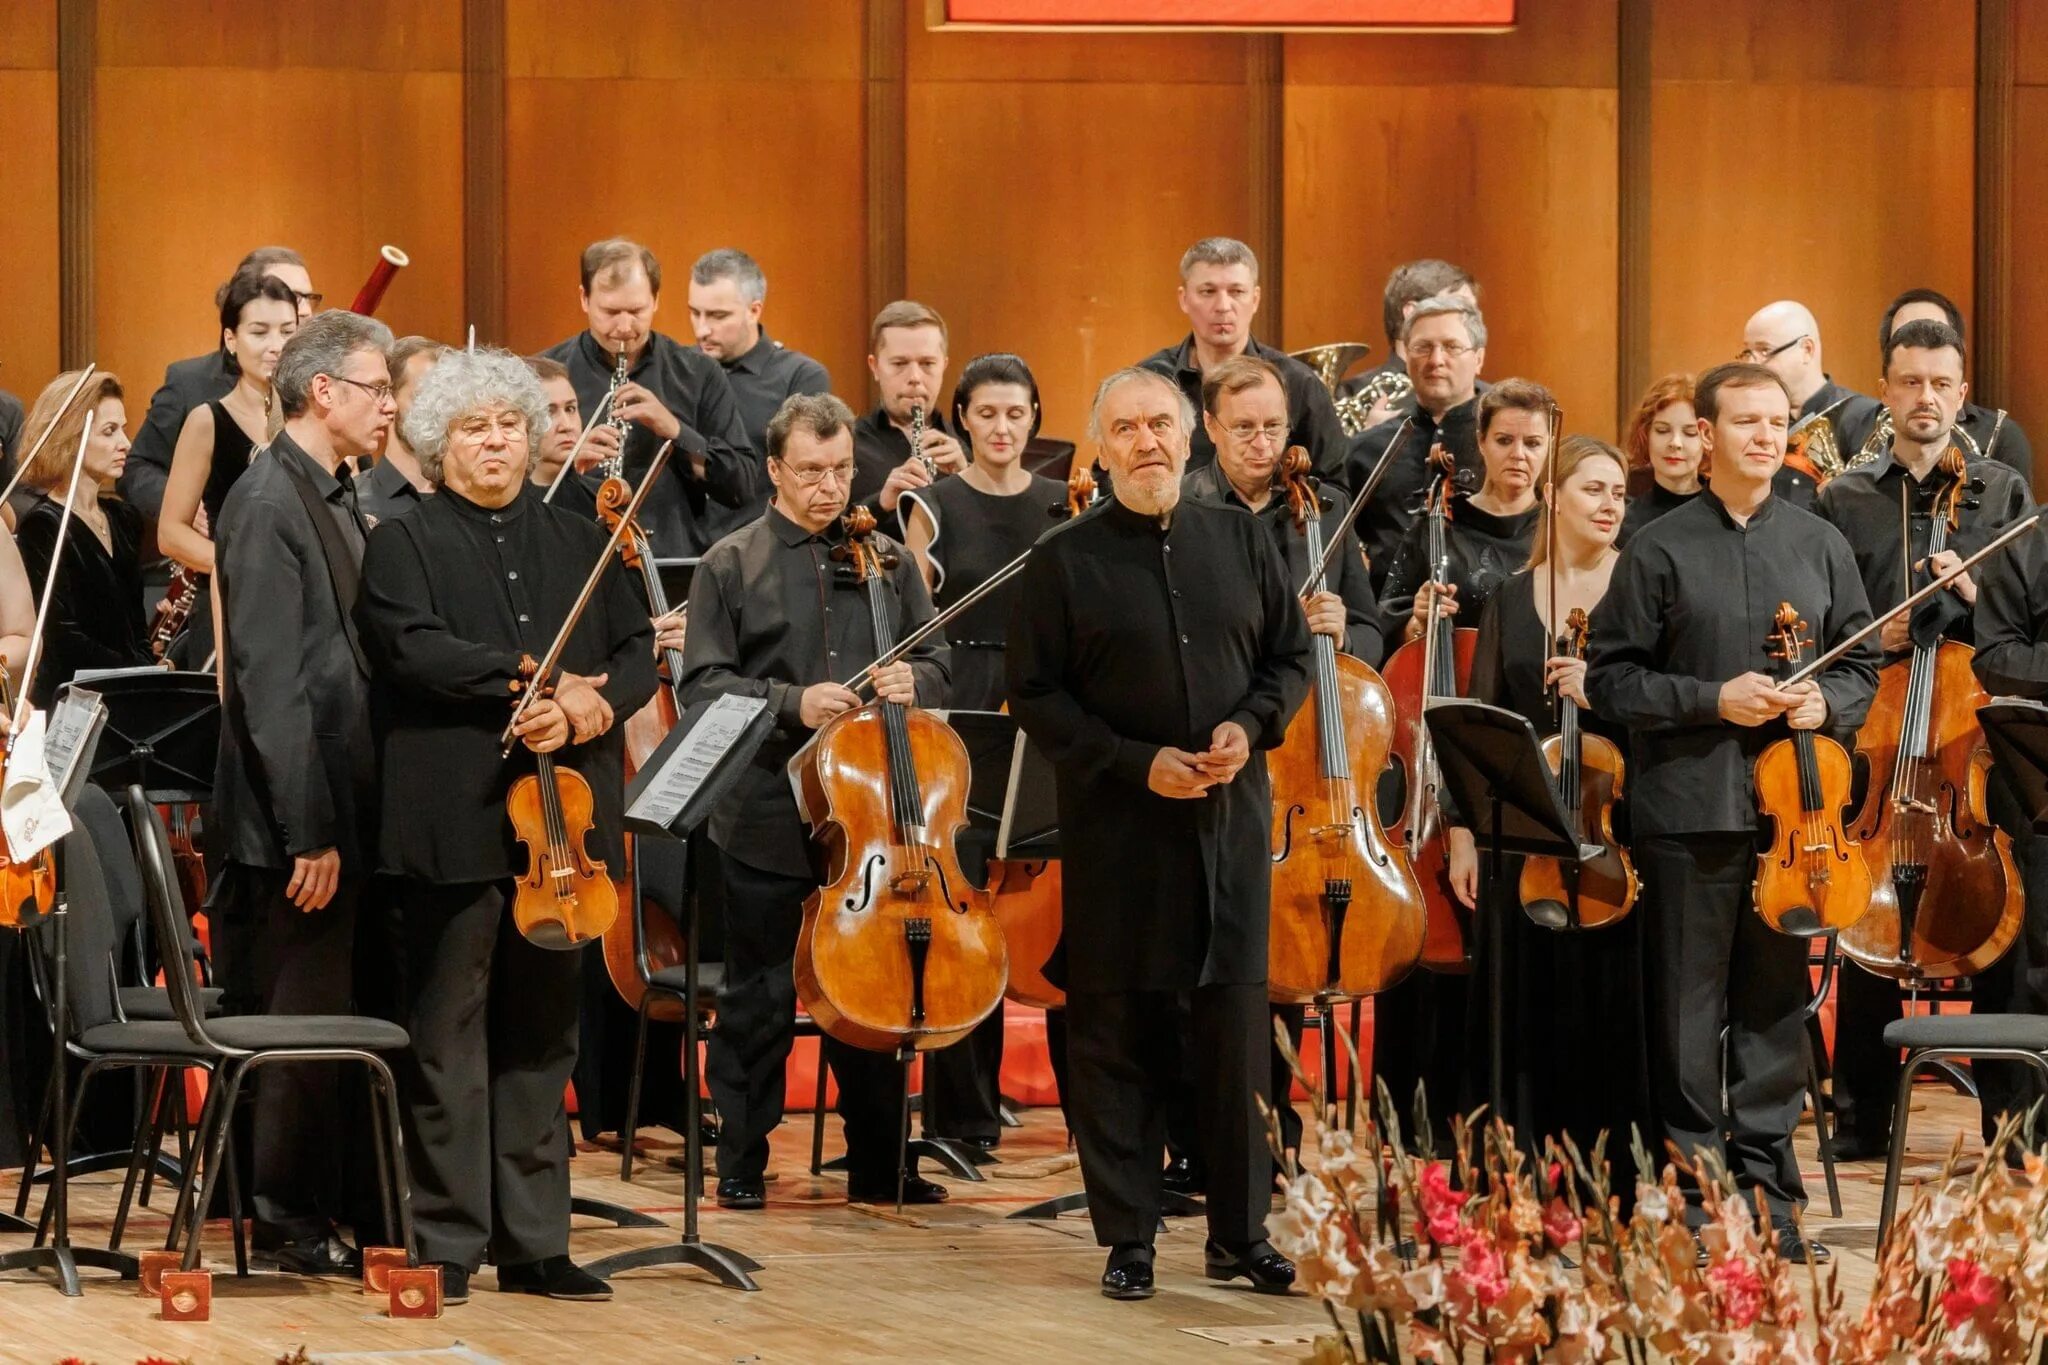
(1784, 337)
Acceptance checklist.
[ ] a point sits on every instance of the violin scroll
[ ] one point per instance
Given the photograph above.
(1790, 637)
(1080, 489)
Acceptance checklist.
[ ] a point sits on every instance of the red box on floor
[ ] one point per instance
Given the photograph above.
(378, 1263)
(187, 1295)
(151, 1267)
(416, 1291)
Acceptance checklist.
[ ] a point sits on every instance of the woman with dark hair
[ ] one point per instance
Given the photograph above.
(258, 314)
(962, 529)
(95, 616)
(1664, 455)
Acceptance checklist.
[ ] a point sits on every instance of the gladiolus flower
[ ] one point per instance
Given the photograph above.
(1740, 1290)
(1482, 1270)
(1971, 1289)
(1440, 1203)
(1560, 1225)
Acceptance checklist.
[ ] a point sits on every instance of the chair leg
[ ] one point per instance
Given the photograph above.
(385, 1211)
(229, 1082)
(174, 1116)
(236, 1221)
(148, 1124)
(189, 1150)
(400, 1188)
(1822, 1136)
(818, 1115)
(632, 1128)
(1895, 1160)
(85, 1075)
(36, 1136)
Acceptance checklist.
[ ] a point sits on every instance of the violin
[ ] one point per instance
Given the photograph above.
(898, 950)
(565, 897)
(649, 936)
(1946, 899)
(29, 888)
(1348, 912)
(1026, 894)
(1565, 893)
(1439, 664)
(1812, 878)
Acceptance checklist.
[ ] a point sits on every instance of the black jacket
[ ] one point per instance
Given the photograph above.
(96, 607)
(296, 771)
(1311, 417)
(188, 384)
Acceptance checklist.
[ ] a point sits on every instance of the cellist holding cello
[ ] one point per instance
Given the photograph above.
(460, 597)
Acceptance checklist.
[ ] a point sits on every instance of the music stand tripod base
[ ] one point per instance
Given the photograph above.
(618, 1215)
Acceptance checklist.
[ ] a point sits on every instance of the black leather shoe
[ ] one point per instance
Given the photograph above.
(557, 1277)
(1857, 1147)
(1129, 1272)
(1267, 1269)
(454, 1283)
(1181, 1177)
(325, 1254)
(1797, 1249)
(916, 1190)
(741, 1194)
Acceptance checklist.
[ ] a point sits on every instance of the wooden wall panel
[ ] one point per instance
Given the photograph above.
(28, 227)
(707, 125)
(1808, 152)
(2026, 390)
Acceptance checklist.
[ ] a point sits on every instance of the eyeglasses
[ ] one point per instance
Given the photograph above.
(310, 302)
(811, 477)
(1244, 433)
(378, 392)
(1750, 355)
(1449, 350)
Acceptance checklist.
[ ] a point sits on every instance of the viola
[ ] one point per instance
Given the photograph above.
(1348, 911)
(898, 950)
(1946, 899)
(1811, 878)
(1439, 664)
(27, 888)
(1563, 893)
(648, 939)
(565, 897)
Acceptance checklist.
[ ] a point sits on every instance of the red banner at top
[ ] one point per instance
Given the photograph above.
(1264, 14)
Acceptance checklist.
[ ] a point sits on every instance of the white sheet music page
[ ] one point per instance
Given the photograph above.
(678, 779)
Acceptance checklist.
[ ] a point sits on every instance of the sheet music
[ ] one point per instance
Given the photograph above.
(77, 717)
(86, 675)
(678, 779)
(1010, 796)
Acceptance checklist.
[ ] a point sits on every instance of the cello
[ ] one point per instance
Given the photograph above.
(1348, 913)
(1590, 894)
(1025, 893)
(898, 950)
(1439, 664)
(1946, 899)
(1811, 879)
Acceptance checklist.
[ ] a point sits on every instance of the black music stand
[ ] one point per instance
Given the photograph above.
(2016, 732)
(676, 575)
(693, 769)
(1029, 828)
(1495, 770)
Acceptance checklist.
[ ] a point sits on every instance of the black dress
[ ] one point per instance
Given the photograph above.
(96, 613)
(1481, 548)
(1647, 501)
(232, 451)
(1572, 1019)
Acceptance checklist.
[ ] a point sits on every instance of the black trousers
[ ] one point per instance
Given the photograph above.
(963, 1084)
(275, 958)
(747, 1057)
(1123, 1058)
(1183, 1131)
(1419, 1047)
(1711, 962)
(493, 1024)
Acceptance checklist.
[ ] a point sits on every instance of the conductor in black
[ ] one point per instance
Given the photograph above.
(1155, 649)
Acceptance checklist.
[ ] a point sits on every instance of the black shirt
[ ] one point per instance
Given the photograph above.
(879, 445)
(96, 607)
(1992, 433)
(1870, 505)
(1482, 549)
(2011, 619)
(761, 379)
(1363, 636)
(1311, 418)
(1397, 501)
(1692, 604)
(454, 594)
(678, 516)
(383, 493)
(770, 614)
(1646, 504)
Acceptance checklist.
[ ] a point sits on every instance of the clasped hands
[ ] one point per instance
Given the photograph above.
(577, 711)
(1182, 776)
(1756, 699)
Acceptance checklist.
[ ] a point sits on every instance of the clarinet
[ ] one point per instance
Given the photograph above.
(931, 467)
(615, 466)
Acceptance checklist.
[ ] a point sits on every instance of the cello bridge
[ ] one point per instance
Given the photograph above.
(1328, 833)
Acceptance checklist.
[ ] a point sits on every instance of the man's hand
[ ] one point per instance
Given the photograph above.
(601, 445)
(902, 479)
(1177, 774)
(590, 715)
(1809, 709)
(1325, 614)
(1380, 411)
(944, 451)
(822, 701)
(1896, 635)
(669, 630)
(1752, 699)
(315, 878)
(1229, 749)
(896, 682)
(545, 726)
(1965, 586)
(1418, 615)
(637, 404)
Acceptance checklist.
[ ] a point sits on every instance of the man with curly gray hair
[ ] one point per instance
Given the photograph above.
(457, 595)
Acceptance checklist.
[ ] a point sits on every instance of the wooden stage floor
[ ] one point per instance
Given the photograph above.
(838, 1283)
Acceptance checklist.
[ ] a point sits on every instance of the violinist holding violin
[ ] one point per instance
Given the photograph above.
(460, 597)
(1679, 655)
(1887, 510)
(773, 616)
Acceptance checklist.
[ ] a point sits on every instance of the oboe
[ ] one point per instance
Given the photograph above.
(615, 465)
(931, 468)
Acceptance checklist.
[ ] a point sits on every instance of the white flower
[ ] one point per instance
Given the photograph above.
(1652, 1203)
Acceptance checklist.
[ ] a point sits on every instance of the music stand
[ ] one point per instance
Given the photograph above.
(2016, 732)
(675, 576)
(694, 768)
(162, 735)
(1495, 771)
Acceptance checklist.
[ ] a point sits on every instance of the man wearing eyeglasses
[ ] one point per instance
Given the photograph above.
(771, 616)
(195, 382)
(1219, 292)
(1784, 338)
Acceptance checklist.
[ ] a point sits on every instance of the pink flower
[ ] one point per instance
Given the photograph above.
(1560, 1225)
(1970, 1290)
(1482, 1270)
(1740, 1290)
(1440, 1204)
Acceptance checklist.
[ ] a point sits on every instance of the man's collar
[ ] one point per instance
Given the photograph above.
(607, 361)
(757, 356)
(788, 531)
(1762, 512)
(324, 479)
(388, 480)
(475, 511)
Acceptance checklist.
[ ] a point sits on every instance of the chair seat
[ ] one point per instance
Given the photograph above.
(154, 1002)
(250, 1033)
(1962, 1031)
(676, 980)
